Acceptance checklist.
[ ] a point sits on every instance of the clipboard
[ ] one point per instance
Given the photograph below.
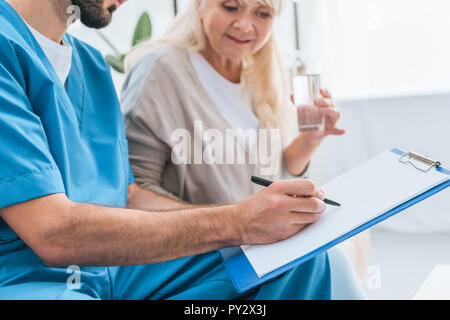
(244, 276)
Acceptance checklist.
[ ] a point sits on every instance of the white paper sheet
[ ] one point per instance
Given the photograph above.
(365, 193)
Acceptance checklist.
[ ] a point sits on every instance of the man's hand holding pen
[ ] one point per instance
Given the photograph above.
(278, 212)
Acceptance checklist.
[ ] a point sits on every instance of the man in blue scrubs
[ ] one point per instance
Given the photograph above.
(67, 194)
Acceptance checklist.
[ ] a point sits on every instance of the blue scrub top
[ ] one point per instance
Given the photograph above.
(72, 141)
(54, 139)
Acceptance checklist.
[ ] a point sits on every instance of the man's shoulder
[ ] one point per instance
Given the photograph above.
(82, 47)
(16, 48)
(10, 35)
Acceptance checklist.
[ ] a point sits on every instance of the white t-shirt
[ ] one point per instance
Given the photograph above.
(60, 56)
(233, 100)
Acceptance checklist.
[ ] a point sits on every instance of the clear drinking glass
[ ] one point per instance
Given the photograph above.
(306, 89)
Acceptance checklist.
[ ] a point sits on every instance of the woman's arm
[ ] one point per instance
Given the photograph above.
(149, 123)
(146, 200)
(298, 154)
(148, 154)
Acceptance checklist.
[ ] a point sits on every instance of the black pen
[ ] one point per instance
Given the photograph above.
(266, 183)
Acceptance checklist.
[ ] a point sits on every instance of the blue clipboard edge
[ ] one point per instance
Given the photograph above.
(244, 276)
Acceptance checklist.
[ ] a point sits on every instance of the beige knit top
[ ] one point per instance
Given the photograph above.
(163, 100)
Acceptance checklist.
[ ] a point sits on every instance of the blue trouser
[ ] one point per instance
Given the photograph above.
(344, 280)
(191, 278)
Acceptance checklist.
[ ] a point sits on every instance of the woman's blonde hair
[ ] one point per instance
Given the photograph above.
(262, 72)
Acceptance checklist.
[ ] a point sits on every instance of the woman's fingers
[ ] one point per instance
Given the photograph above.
(323, 102)
(327, 108)
(325, 93)
(331, 113)
(336, 132)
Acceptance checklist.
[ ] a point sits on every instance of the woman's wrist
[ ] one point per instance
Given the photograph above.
(298, 154)
(311, 139)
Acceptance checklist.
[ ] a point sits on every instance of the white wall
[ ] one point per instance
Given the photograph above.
(410, 123)
(378, 48)
(364, 48)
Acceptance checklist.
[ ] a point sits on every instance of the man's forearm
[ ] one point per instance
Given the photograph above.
(101, 236)
(62, 232)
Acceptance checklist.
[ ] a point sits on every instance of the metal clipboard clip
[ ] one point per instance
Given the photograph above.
(413, 157)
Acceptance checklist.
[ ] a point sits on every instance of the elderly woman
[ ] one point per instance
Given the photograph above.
(212, 85)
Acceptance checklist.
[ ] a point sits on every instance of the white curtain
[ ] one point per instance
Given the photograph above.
(378, 48)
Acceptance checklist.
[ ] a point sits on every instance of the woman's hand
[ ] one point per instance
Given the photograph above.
(326, 108)
(298, 154)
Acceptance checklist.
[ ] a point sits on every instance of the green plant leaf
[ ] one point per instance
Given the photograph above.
(143, 29)
(115, 63)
